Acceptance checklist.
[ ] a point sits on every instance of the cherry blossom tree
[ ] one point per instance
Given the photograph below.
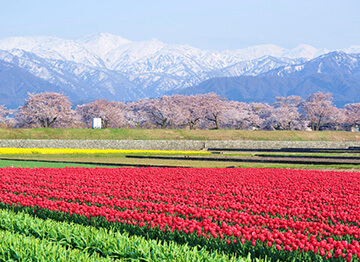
(112, 114)
(215, 106)
(207, 111)
(264, 111)
(178, 111)
(159, 111)
(163, 112)
(286, 115)
(277, 120)
(318, 109)
(240, 115)
(352, 112)
(47, 110)
(193, 110)
(3, 114)
(337, 120)
(133, 115)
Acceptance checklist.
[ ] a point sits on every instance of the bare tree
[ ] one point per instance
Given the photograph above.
(112, 114)
(318, 109)
(46, 109)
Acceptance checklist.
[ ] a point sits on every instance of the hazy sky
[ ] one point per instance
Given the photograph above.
(225, 24)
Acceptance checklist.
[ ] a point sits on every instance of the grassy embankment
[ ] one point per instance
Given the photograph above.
(176, 134)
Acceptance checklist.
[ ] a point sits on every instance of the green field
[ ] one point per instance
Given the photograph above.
(35, 164)
(176, 134)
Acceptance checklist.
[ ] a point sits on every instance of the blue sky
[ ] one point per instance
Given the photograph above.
(226, 24)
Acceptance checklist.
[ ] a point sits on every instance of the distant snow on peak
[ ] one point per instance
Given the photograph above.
(300, 51)
(254, 52)
(353, 49)
(102, 37)
(102, 43)
(52, 48)
(305, 51)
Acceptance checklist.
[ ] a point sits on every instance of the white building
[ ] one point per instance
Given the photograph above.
(96, 123)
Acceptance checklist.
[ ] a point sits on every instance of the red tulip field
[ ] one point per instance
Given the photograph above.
(277, 214)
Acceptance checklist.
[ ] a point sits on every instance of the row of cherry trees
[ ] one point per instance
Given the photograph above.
(208, 111)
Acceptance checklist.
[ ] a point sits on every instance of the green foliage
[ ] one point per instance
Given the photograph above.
(90, 242)
(17, 247)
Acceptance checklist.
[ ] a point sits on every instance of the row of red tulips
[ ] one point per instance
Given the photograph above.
(282, 210)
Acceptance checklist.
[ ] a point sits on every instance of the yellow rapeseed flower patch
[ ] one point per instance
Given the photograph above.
(47, 151)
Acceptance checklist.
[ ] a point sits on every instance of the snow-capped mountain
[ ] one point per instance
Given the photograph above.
(109, 66)
(83, 81)
(335, 72)
(301, 51)
(333, 63)
(258, 66)
(102, 44)
(16, 82)
(304, 51)
(353, 49)
(52, 48)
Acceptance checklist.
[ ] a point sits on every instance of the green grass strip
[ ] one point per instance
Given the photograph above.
(17, 247)
(102, 242)
(174, 134)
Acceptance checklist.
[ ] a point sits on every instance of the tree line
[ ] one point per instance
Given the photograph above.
(207, 111)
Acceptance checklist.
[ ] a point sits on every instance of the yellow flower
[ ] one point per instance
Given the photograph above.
(46, 151)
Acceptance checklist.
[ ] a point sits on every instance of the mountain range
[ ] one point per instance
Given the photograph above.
(112, 67)
(336, 72)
